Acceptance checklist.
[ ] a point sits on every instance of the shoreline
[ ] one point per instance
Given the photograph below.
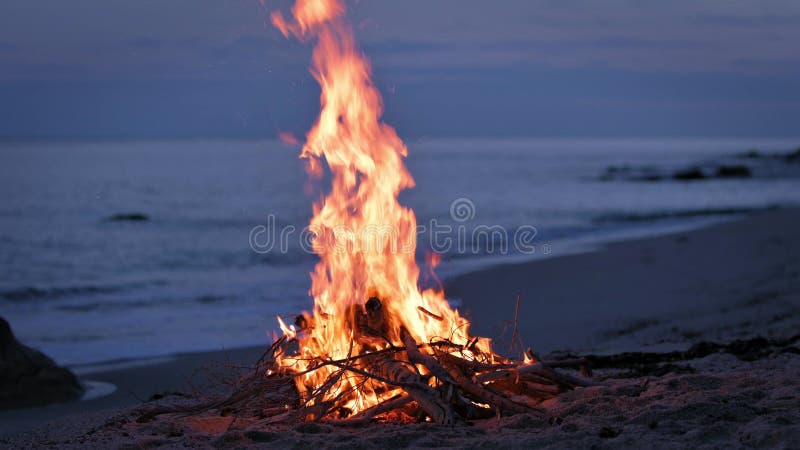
(574, 246)
(566, 304)
(668, 285)
(452, 269)
(630, 231)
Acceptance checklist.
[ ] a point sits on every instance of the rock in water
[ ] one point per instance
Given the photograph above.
(129, 217)
(690, 174)
(793, 156)
(29, 378)
(734, 172)
(750, 154)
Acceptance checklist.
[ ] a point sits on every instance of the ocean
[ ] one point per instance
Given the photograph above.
(116, 251)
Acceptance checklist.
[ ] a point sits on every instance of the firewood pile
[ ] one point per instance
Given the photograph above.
(436, 381)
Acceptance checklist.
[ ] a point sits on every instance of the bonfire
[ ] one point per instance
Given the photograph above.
(375, 342)
(375, 346)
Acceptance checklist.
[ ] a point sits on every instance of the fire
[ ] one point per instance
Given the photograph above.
(288, 138)
(365, 285)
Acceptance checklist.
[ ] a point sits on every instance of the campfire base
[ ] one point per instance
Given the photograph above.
(448, 389)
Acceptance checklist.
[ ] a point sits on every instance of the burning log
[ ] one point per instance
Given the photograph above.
(366, 416)
(375, 321)
(428, 398)
(417, 357)
(483, 394)
(304, 322)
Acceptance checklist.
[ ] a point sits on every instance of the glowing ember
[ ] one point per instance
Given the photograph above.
(365, 286)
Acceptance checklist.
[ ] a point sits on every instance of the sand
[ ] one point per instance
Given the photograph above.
(719, 283)
(729, 281)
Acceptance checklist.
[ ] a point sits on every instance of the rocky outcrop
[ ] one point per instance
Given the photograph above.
(129, 217)
(29, 378)
(750, 164)
(736, 171)
(792, 157)
(690, 174)
(789, 157)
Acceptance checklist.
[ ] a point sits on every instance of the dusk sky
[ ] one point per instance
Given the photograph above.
(189, 68)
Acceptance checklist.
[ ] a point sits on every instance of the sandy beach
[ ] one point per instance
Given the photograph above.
(736, 280)
(346, 224)
(718, 283)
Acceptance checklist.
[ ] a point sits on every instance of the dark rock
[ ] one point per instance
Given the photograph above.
(613, 172)
(618, 169)
(165, 394)
(262, 436)
(734, 172)
(609, 432)
(29, 378)
(751, 154)
(690, 174)
(649, 178)
(312, 428)
(129, 217)
(792, 157)
(629, 173)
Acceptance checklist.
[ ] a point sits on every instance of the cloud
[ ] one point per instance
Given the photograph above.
(454, 66)
(209, 38)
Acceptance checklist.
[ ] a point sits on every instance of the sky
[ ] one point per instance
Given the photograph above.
(216, 68)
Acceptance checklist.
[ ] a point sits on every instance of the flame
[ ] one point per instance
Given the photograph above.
(288, 138)
(365, 239)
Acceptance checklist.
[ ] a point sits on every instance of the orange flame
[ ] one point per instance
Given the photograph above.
(366, 240)
(288, 138)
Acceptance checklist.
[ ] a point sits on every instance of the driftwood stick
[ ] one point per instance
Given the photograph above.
(561, 378)
(426, 396)
(512, 375)
(485, 395)
(398, 383)
(471, 366)
(534, 373)
(366, 416)
(528, 389)
(515, 337)
(429, 401)
(430, 314)
(546, 389)
(496, 400)
(469, 409)
(277, 347)
(317, 411)
(417, 357)
(386, 351)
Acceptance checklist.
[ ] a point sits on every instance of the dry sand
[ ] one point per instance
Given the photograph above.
(730, 281)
